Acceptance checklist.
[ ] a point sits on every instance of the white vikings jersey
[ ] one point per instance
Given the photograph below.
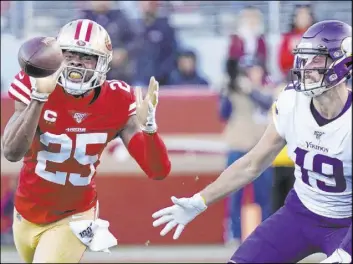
(322, 154)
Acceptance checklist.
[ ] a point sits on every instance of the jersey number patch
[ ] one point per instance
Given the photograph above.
(333, 183)
(119, 84)
(66, 147)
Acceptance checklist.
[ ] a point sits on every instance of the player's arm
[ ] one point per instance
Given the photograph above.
(148, 150)
(247, 168)
(141, 138)
(20, 129)
(29, 94)
(233, 178)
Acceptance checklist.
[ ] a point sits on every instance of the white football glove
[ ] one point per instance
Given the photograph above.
(146, 108)
(339, 256)
(180, 214)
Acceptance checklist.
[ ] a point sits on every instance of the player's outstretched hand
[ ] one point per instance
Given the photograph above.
(146, 108)
(179, 215)
(43, 87)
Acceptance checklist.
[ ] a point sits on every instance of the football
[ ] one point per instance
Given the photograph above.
(40, 56)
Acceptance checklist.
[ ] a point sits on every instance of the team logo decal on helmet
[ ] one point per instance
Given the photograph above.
(81, 43)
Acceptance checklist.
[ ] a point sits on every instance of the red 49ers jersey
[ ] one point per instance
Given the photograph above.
(57, 177)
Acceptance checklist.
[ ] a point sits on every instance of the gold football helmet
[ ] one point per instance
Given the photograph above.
(88, 37)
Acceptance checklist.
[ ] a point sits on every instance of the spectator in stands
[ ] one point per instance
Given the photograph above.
(302, 19)
(246, 107)
(186, 71)
(156, 46)
(248, 42)
(121, 33)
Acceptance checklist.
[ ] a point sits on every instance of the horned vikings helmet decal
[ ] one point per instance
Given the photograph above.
(323, 58)
(88, 37)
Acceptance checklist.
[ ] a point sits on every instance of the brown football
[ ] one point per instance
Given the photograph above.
(40, 56)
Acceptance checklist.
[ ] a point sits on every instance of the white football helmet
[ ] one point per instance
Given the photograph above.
(88, 37)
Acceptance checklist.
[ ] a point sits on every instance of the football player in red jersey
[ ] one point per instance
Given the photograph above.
(60, 127)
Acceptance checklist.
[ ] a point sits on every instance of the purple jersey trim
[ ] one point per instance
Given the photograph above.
(323, 121)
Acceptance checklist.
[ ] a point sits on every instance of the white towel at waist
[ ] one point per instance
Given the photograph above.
(94, 234)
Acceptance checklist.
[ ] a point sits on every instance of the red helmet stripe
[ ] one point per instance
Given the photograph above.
(78, 29)
(89, 31)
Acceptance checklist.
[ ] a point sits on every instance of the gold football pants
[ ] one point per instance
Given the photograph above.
(49, 243)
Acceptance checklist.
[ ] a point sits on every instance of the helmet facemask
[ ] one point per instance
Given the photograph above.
(97, 79)
(317, 70)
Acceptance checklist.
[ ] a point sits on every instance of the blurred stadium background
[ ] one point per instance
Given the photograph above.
(188, 116)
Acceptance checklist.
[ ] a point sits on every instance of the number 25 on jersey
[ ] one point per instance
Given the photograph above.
(66, 152)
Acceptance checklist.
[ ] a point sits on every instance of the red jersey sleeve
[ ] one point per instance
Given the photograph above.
(20, 88)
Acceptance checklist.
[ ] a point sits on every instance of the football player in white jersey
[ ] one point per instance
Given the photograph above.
(312, 116)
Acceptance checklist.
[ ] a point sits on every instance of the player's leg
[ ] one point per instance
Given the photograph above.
(278, 239)
(331, 238)
(59, 244)
(25, 236)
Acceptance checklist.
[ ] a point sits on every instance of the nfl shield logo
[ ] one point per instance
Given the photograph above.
(318, 134)
(79, 117)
